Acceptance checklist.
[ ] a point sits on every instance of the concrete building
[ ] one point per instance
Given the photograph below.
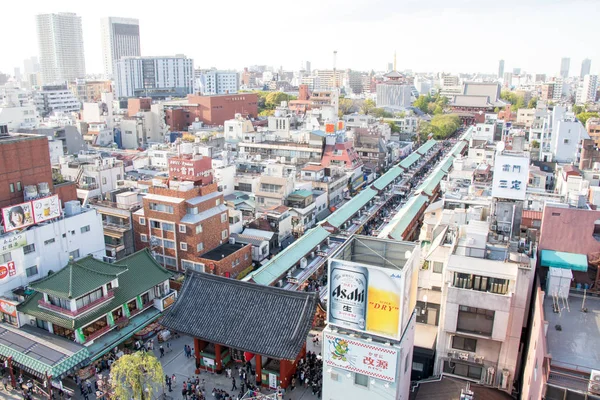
(588, 90)
(60, 42)
(586, 66)
(500, 69)
(380, 355)
(93, 174)
(565, 63)
(210, 110)
(54, 99)
(156, 77)
(567, 136)
(120, 38)
(16, 112)
(525, 117)
(90, 91)
(213, 81)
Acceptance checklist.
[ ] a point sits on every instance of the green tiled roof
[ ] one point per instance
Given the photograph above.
(283, 261)
(41, 368)
(426, 147)
(458, 148)
(344, 213)
(78, 278)
(410, 160)
(141, 274)
(446, 165)
(387, 178)
(403, 218)
(432, 181)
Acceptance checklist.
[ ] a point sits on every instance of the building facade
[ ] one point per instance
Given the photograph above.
(211, 82)
(60, 42)
(55, 99)
(120, 38)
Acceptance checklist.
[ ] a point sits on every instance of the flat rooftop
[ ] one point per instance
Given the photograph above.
(449, 389)
(224, 250)
(576, 344)
(384, 253)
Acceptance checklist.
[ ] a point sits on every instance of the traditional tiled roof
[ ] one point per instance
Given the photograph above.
(141, 274)
(78, 278)
(272, 322)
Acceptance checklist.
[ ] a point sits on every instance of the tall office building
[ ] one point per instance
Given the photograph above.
(120, 38)
(565, 63)
(586, 66)
(501, 69)
(60, 42)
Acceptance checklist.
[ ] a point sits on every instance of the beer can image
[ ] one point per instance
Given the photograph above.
(348, 284)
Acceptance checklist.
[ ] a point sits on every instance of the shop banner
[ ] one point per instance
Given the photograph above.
(80, 336)
(46, 208)
(365, 298)
(8, 308)
(126, 310)
(362, 357)
(17, 217)
(7, 270)
(111, 319)
(138, 300)
(273, 381)
(13, 242)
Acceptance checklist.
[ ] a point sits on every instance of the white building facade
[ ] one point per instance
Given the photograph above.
(212, 82)
(393, 95)
(120, 38)
(55, 99)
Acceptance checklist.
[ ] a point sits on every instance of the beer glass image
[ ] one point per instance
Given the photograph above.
(383, 306)
(348, 294)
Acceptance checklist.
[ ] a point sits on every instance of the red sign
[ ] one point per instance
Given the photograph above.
(340, 125)
(8, 308)
(329, 128)
(191, 170)
(8, 270)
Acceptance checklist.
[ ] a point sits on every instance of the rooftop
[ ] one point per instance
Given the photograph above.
(449, 389)
(224, 250)
(200, 304)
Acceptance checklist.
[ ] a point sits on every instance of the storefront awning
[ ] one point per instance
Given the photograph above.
(560, 259)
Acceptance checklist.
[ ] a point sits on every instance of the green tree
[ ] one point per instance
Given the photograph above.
(381, 113)
(497, 110)
(438, 110)
(520, 103)
(421, 103)
(584, 116)
(444, 125)
(532, 103)
(274, 100)
(400, 114)
(578, 109)
(135, 376)
(345, 107)
(367, 106)
(394, 127)
(266, 113)
(535, 144)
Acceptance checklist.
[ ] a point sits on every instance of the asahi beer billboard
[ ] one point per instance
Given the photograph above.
(365, 298)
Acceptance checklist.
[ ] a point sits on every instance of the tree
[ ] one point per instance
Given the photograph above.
(584, 116)
(274, 100)
(532, 103)
(381, 113)
(401, 114)
(497, 110)
(444, 125)
(520, 103)
(535, 144)
(345, 107)
(395, 128)
(266, 113)
(578, 109)
(438, 110)
(421, 103)
(135, 376)
(367, 106)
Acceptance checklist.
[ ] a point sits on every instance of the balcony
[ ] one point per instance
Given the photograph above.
(144, 307)
(51, 307)
(118, 228)
(98, 333)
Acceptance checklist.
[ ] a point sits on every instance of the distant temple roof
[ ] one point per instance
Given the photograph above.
(259, 319)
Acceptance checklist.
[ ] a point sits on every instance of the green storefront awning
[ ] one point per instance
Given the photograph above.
(560, 259)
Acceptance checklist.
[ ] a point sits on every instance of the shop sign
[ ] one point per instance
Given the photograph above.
(46, 208)
(208, 362)
(365, 358)
(17, 217)
(168, 302)
(273, 381)
(7, 270)
(13, 242)
(8, 308)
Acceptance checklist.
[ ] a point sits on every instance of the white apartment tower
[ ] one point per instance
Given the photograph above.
(60, 42)
(120, 38)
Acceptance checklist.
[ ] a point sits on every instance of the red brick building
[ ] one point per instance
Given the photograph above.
(134, 106)
(212, 110)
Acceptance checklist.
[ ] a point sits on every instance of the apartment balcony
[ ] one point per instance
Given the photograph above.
(116, 228)
(472, 367)
(51, 307)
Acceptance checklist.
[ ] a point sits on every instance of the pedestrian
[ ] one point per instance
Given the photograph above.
(5, 382)
(293, 383)
(184, 390)
(162, 351)
(233, 385)
(89, 386)
(168, 382)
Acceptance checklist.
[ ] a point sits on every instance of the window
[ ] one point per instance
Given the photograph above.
(142, 221)
(475, 320)
(361, 380)
(88, 298)
(104, 180)
(181, 228)
(144, 238)
(74, 254)
(168, 227)
(461, 343)
(224, 234)
(457, 368)
(19, 187)
(224, 217)
(566, 141)
(481, 283)
(155, 224)
(170, 261)
(85, 229)
(438, 267)
(246, 255)
(218, 202)
(168, 244)
(30, 248)
(40, 323)
(418, 366)
(4, 258)
(183, 246)
(335, 376)
(198, 229)
(200, 246)
(161, 208)
(31, 271)
(49, 241)
(192, 210)
(11, 186)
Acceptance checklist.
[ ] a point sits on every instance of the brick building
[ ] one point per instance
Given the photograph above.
(187, 227)
(211, 110)
(135, 105)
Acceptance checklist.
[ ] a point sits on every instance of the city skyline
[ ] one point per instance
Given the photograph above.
(421, 51)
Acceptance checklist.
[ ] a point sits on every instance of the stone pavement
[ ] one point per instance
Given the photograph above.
(175, 362)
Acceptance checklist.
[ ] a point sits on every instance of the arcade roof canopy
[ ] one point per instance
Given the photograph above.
(259, 319)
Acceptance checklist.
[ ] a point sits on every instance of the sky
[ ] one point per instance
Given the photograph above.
(427, 35)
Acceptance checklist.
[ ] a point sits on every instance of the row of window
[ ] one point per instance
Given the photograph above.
(161, 208)
(11, 187)
(167, 226)
(480, 283)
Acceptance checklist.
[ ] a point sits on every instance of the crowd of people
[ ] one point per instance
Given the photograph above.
(309, 373)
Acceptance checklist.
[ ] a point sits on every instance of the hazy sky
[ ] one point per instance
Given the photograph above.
(428, 35)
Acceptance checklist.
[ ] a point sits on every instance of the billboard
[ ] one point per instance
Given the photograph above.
(13, 242)
(365, 298)
(190, 170)
(46, 208)
(7, 270)
(378, 362)
(17, 217)
(8, 307)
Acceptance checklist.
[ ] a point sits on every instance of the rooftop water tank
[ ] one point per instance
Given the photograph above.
(30, 192)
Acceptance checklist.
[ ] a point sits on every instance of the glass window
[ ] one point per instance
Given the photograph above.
(168, 227)
(200, 246)
(168, 244)
(88, 298)
(142, 221)
(11, 186)
(30, 248)
(155, 224)
(31, 271)
(461, 343)
(198, 228)
(4, 258)
(161, 208)
(183, 246)
(438, 267)
(170, 261)
(361, 380)
(475, 320)
(49, 241)
(85, 229)
(224, 234)
(223, 217)
(74, 254)
(144, 238)
(19, 187)
(181, 228)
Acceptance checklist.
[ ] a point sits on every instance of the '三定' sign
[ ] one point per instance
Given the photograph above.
(362, 357)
